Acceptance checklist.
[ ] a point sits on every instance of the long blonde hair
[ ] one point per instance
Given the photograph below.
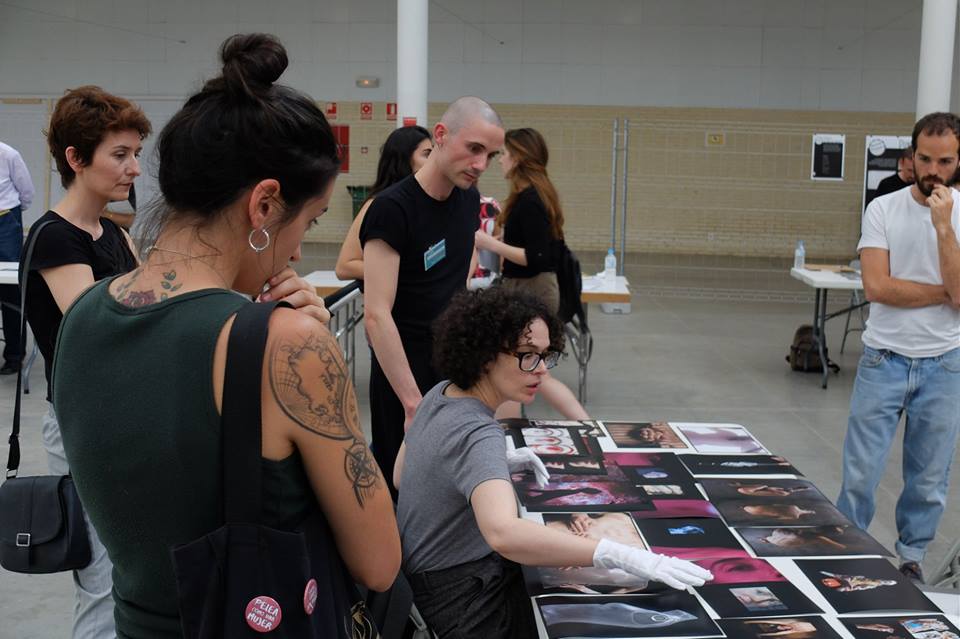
(529, 152)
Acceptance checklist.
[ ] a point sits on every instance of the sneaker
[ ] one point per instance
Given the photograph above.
(912, 570)
(10, 368)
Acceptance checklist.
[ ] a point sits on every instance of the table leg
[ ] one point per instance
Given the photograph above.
(819, 332)
(583, 358)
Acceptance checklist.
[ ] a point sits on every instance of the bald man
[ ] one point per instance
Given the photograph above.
(417, 243)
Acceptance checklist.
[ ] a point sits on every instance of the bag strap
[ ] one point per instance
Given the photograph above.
(13, 459)
(241, 411)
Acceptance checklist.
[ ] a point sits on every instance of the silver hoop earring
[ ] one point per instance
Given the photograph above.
(256, 248)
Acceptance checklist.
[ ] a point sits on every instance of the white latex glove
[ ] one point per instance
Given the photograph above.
(676, 573)
(523, 459)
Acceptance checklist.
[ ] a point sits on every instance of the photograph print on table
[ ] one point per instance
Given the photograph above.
(758, 599)
(705, 465)
(647, 468)
(668, 614)
(811, 541)
(690, 538)
(617, 527)
(551, 441)
(678, 508)
(782, 512)
(721, 438)
(739, 570)
(860, 585)
(760, 489)
(584, 496)
(644, 435)
(925, 627)
(779, 627)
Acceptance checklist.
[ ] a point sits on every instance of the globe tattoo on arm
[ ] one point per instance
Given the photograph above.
(310, 382)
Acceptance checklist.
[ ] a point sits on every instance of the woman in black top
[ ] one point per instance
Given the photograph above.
(532, 222)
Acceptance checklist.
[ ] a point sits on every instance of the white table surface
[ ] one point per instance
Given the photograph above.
(827, 279)
(8, 272)
(595, 288)
(326, 281)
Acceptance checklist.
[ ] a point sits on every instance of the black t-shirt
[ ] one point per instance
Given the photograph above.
(59, 244)
(435, 242)
(528, 226)
(890, 184)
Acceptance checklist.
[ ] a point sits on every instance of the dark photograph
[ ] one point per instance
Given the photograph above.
(644, 435)
(859, 585)
(721, 438)
(813, 541)
(779, 627)
(783, 512)
(737, 465)
(739, 570)
(765, 489)
(690, 538)
(583, 496)
(678, 508)
(551, 441)
(617, 527)
(670, 614)
(758, 599)
(645, 468)
(574, 466)
(925, 627)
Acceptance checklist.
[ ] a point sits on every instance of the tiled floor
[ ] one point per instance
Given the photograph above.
(682, 354)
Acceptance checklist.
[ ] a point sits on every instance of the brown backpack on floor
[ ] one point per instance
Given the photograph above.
(804, 355)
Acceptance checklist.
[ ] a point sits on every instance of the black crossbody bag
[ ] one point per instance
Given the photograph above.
(244, 578)
(42, 529)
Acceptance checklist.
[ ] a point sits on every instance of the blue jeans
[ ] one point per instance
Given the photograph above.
(927, 389)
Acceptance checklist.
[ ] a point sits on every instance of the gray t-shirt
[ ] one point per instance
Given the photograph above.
(453, 445)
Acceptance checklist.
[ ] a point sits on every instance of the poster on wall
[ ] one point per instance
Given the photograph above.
(827, 158)
(882, 153)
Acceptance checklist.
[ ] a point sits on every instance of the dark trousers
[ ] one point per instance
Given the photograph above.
(386, 410)
(483, 598)
(11, 240)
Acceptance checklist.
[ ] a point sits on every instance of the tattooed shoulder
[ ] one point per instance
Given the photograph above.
(134, 294)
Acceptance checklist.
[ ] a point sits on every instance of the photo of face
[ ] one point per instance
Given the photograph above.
(925, 627)
(582, 497)
(760, 489)
(617, 527)
(773, 512)
(721, 438)
(738, 570)
(670, 614)
(779, 627)
(811, 541)
(863, 584)
(757, 599)
(643, 435)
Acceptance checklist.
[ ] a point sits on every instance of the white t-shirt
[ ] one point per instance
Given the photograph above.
(896, 222)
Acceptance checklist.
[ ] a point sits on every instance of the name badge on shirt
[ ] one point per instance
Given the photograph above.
(434, 254)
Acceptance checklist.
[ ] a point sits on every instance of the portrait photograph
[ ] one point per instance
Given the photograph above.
(779, 628)
(860, 585)
(668, 614)
(644, 435)
(761, 489)
(721, 438)
(811, 541)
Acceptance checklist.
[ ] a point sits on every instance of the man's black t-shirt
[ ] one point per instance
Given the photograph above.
(890, 184)
(59, 244)
(435, 242)
(528, 226)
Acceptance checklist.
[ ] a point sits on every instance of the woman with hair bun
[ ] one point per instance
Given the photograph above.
(403, 153)
(245, 168)
(532, 222)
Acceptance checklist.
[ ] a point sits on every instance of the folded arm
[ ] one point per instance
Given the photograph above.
(879, 286)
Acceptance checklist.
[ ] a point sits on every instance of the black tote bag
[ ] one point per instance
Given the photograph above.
(245, 579)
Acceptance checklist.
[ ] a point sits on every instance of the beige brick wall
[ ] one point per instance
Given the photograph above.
(750, 197)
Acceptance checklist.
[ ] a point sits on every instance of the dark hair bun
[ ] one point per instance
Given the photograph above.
(252, 62)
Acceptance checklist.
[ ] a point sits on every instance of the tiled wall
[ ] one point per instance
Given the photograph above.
(750, 197)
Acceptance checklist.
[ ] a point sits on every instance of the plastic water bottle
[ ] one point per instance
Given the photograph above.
(610, 267)
(799, 255)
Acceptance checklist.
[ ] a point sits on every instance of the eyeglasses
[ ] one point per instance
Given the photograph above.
(528, 362)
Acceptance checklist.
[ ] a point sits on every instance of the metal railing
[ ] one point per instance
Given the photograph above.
(346, 313)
